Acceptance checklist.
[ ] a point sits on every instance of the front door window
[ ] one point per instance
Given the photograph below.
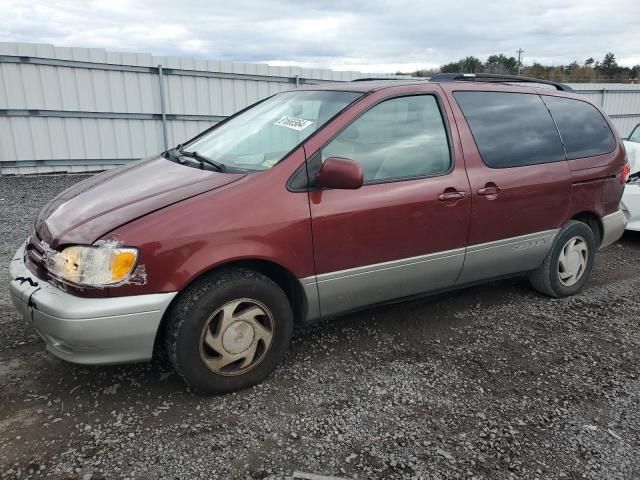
(397, 139)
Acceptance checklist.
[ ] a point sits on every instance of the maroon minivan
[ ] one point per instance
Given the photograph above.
(316, 202)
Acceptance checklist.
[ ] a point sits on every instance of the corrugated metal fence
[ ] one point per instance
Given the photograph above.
(621, 101)
(80, 109)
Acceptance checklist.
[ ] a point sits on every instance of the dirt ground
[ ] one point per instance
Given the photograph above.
(493, 381)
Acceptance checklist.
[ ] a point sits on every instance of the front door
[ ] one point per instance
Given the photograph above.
(404, 231)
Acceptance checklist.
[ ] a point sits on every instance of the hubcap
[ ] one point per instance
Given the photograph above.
(573, 261)
(236, 337)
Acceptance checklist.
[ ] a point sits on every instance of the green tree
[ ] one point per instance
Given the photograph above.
(427, 72)
(536, 70)
(470, 65)
(590, 71)
(609, 66)
(573, 67)
(501, 64)
(450, 67)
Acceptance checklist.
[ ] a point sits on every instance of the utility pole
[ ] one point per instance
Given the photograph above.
(520, 52)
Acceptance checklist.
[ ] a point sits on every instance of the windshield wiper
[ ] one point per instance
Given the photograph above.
(201, 158)
(174, 155)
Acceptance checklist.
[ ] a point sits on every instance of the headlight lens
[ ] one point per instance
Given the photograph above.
(95, 266)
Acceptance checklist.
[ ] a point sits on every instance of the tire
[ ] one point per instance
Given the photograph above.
(552, 278)
(222, 317)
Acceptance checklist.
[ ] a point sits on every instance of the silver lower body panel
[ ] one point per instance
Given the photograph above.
(345, 290)
(87, 330)
(504, 257)
(333, 293)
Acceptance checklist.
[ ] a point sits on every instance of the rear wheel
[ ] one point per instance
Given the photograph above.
(229, 331)
(567, 266)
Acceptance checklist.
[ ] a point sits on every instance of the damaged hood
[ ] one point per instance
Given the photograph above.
(92, 208)
(633, 155)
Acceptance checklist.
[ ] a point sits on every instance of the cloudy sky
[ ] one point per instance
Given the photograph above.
(370, 35)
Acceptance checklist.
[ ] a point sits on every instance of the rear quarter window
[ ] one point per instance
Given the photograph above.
(511, 129)
(584, 131)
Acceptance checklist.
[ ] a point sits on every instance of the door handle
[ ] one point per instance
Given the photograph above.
(450, 196)
(489, 189)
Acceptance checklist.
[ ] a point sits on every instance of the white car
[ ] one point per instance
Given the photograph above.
(631, 197)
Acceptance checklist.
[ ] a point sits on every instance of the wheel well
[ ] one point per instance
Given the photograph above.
(594, 223)
(280, 275)
(286, 280)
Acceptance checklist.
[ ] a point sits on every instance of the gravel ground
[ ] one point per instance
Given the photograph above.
(489, 382)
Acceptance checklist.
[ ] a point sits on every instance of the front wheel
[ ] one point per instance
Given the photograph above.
(229, 331)
(567, 267)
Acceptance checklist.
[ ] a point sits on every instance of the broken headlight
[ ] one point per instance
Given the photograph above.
(94, 266)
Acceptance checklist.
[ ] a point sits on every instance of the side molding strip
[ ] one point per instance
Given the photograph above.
(376, 267)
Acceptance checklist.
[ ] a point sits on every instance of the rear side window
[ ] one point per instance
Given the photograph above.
(511, 129)
(584, 131)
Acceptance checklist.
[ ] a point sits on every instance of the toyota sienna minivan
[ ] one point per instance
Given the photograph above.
(316, 202)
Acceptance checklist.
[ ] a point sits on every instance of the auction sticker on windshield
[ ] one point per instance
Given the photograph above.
(294, 123)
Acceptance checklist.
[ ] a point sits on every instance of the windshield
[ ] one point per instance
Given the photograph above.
(260, 137)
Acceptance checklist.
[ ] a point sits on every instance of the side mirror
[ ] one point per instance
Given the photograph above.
(340, 173)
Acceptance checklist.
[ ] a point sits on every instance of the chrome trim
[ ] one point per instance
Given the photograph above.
(512, 240)
(506, 256)
(87, 330)
(613, 226)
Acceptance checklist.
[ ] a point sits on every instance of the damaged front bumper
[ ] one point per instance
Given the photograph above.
(87, 330)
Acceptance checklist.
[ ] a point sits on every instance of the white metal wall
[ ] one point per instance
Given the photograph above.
(621, 101)
(85, 109)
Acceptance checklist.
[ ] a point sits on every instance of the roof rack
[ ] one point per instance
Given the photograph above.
(496, 78)
(369, 79)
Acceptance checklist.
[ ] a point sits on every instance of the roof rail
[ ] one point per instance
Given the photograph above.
(369, 79)
(497, 78)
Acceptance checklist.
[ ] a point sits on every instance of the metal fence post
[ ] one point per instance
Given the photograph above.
(604, 94)
(163, 111)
